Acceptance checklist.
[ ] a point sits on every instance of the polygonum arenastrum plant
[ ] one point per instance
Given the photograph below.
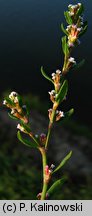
(75, 29)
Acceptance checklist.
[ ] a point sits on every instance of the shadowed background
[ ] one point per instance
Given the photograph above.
(30, 36)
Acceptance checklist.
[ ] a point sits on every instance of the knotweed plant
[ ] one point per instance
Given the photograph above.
(74, 30)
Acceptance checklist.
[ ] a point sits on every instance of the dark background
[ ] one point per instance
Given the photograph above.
(30, 36)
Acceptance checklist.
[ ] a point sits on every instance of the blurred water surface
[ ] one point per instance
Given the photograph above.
(30, 36)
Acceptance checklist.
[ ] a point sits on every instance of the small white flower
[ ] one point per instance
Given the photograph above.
(58, 72)
(69, 26)
(52, 92)
(57, 111)
(81, 18)
(13, 94)
(71, 13)
(14, 97)
(70, 44)
(49, 93)
(49, 110)
(53, 74)
(79, 29)
(52, 166)
(16, 100)
(53, 77)
(74, 7)
(36, 136)
(24, 106)
(79, 4)
(81, 23)
(70, 5)
(61, 114)
(72, 60)
(74, 26)
(13, 111)
(4, 102)
(21, 128)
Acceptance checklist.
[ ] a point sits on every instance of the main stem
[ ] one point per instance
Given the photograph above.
(44, 157)
(44, 161)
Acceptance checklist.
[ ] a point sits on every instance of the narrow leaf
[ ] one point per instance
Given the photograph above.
(45, 75)
(56, 185)
(63, 29)
(26, 127)
(84, 29)
(9, 101)
(80, 11)
(63, 162)
(26, 109)
(62, 92)
(80, 64)
(20, 100)
(12, 117)
(65, 45)
(26, 141)
(69, 113)
(68, 18)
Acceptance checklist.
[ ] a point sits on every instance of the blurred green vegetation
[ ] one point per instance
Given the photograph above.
(20, 175)
(20, 179)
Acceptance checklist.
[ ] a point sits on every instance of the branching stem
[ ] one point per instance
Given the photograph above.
(50, 127)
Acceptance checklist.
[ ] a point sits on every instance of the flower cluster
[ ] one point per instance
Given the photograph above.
(73, 9)
(71, 62)
(73, 34)
(76, 27)
(17, 108)
(59, 114)
(56, 78)
(52, 95)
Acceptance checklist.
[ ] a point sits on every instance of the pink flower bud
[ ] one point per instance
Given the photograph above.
(46, 170)
(43, 138)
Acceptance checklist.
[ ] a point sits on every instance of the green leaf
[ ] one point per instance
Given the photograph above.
(63, 29)
(9, 101)
(20, 100)
(45, 75)
(62, 92)
(80, 11)
(26, 109)
(26, 141)
(68, 18)
(12, 117)
(26, 127)
(56, 185)
(80, 64)
(63, 162)
(65, 45)
(85, 26)
(69, 113)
